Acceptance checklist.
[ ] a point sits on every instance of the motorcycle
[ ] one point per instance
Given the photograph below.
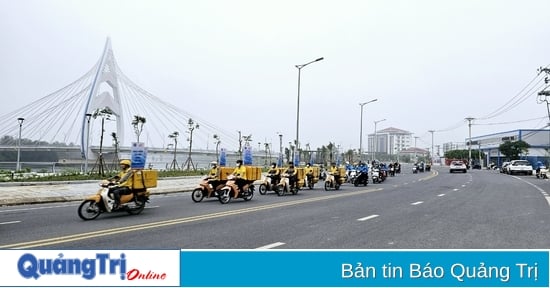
(231, 190)
(310, 181)
(332, 181)
(376, 175)
(206, 189)
(362, 178)
(103, 202)
(284, 185)
(268, 186)
(352, 174)
(542, 172)
(415, 169)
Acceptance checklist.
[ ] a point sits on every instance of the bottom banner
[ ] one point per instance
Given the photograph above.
(360, 268)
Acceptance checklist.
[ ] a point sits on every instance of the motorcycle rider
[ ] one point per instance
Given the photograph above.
(122, 181)
(240, 173)
(274, 174)
(214, 174)
(334, 172)
(309, 173)
(292, 174)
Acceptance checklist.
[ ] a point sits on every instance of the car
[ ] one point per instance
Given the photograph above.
(504, 167)
(520, 167)
(457, 166)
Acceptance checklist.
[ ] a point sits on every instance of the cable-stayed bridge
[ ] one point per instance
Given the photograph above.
(103, 109)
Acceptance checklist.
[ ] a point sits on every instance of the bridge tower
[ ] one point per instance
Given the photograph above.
(104, 93)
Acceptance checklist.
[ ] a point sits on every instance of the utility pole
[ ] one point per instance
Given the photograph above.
(470, 119)
(432, 156)
(541, 99)
(415, 138)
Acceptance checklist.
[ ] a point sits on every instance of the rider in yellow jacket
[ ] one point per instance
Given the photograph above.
(123, 181)
(240, 173)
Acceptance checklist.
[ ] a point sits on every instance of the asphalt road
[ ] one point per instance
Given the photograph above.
(478, 209)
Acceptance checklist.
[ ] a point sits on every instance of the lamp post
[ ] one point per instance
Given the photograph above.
(18, 166)
(297, 142)
(375, 139)
(88, 116)
(361, 129)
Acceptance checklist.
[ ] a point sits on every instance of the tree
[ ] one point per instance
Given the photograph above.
(513, 149)
(138, 125)
(463, 154)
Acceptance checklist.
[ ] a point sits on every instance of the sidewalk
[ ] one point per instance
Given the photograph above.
(44, 192)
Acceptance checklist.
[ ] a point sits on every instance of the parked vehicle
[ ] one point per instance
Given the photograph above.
(542, 172)
(520, 167)
(504, 167)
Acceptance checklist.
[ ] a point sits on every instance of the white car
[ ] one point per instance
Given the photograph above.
(457, 166)
(520, 167)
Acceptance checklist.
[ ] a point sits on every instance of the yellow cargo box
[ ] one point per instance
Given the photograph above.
(253, 172)
(300, 173)
(342, 171)
(144, 179)
(316, 171)
(225, 171)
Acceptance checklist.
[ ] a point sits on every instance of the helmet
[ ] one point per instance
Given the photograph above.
(126, 162)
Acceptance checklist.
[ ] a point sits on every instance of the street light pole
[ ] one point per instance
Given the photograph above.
(375, 139)
(18, 166)
(298, 103)
(361, 129)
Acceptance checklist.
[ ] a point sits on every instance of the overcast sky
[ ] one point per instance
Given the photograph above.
(430, 64)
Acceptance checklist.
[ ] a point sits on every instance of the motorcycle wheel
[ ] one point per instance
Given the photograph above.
(262, 189)
(281, 191)
(197, 195)
(356, 183)
(294, 190)
(249, 195)
(225, 196)
(138, 208)
(88, 210)
(337, 186)
(327, 185)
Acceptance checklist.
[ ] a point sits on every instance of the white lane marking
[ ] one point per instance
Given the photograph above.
(544, 193)
(272, 245)
(36, 208)
(12, 222)
(441, 195)
(368, 217)
(417, 203)
(456, 189)
(149, 207)
(463, 185)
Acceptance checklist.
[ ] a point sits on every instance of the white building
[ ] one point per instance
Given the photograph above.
(390, 141)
